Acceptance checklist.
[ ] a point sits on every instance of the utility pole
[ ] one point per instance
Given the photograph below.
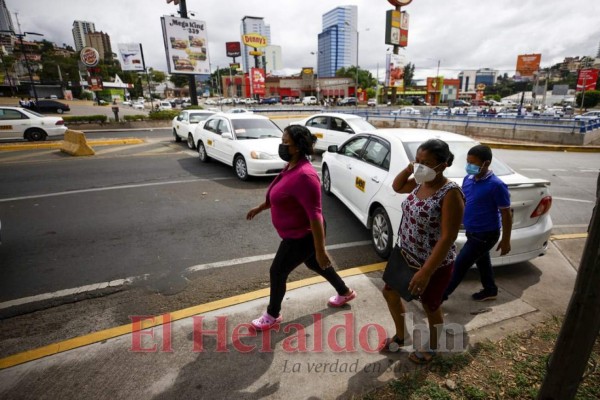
(581, 326)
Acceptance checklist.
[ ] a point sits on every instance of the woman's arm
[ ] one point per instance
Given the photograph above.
(256, 210)
(318, 231)
(402, 184)
(452, 212)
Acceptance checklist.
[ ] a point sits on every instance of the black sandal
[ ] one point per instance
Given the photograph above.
(386, 345)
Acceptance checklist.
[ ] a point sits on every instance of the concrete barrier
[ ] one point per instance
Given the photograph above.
(75, 144)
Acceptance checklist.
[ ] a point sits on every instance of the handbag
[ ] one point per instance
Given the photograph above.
(399, 271)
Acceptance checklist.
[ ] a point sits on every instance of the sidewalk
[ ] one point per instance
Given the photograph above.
(317, 352)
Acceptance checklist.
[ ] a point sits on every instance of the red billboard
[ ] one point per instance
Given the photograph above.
(234, 49)
(257, 80)
(587, 78)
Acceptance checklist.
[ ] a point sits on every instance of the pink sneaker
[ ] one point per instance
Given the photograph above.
(265, 322)
(338, 301)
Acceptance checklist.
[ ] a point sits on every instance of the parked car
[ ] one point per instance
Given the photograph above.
(138, 105)
(334, 128)
(270, 100)
(372, 103)
(360, 173)
(22, 123)
(184, 125)
(239, 110)
(588, 116)
(164, 105)
(460, 103)
(348, 101)
(250, 101)
(288, 100)
(50, 106)
(248, 142)
(126, 103)
(406, 111)
(309, 100)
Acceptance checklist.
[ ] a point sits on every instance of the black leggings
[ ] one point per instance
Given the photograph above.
(291, 253)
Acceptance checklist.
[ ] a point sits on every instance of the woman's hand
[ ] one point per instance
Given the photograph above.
(410, 167)
(253, 212)
(419, 282)
(323, 259)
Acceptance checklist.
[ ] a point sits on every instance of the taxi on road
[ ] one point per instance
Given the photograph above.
(21, 123)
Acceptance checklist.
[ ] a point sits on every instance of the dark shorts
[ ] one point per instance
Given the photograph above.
(432, 296)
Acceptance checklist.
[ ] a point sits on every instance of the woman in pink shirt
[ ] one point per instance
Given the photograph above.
(294, 198)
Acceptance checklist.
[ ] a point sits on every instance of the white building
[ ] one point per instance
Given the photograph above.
(273, 58)
(80, 29)
(253, 25)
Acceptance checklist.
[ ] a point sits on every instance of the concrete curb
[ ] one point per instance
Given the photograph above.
(540, 147)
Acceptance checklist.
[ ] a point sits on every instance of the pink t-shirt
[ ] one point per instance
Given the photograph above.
(295, 199)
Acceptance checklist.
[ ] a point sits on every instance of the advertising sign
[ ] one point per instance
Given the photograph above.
(95, 83)
(89, 57)
(254, 40)
(403, 29)
(233, 49)
(587, 78)
(528, 64)
(394, 72)
(257, 80)
(392, 27)
(186, 45)
(130, 56)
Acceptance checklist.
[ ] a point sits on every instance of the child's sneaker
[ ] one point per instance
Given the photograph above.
(338, 301)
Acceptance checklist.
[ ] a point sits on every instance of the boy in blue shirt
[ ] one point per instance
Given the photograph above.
(487, 209)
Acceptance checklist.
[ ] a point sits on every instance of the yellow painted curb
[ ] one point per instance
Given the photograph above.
(108, 142)
(111, 333)
(569, 236)
(542, 147)
(57, 145)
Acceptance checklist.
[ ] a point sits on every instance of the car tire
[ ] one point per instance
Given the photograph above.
(35, 135)
(177, 138)
(326, 177)
(60, 110)
(202, 154)
(241, 168)
(382, 236)
(190, 142)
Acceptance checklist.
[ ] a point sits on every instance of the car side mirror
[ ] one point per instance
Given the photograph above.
(332, 149)
(227, 135)
(179, 118)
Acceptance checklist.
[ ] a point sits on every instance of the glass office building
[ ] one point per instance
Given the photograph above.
(338, 40)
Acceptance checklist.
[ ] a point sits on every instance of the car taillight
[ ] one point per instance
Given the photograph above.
(542, 208)
(60, 122)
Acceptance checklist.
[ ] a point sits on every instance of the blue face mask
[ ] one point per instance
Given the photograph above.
(472, 169)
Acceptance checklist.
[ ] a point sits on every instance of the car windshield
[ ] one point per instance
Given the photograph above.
(195, 118)
(255, 129)
(361, 125)
(460, 150)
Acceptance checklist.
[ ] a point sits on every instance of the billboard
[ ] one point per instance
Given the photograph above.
(234, 49)
(130, 56)
(394, 72)
(186, 45)
(586, 79)
(404, 29)
(257, 80)
(528, 64)
(392, 27)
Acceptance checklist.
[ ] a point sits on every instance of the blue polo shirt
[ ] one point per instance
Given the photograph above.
(483, 200)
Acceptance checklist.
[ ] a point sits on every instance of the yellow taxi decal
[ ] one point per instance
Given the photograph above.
(5, 127)
(360, 184)
(319, 135)
(209, 142)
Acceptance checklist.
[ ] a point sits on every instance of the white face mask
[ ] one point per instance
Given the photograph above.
(423, 173)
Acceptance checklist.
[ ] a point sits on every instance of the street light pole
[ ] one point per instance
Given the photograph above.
(20, 36)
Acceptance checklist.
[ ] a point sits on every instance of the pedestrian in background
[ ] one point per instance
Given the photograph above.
(294, 198)
(431, 217)
(487, 210)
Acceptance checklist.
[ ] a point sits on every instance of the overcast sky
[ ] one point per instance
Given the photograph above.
(461, 34)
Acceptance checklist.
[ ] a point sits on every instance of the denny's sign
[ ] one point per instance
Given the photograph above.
(254, 40)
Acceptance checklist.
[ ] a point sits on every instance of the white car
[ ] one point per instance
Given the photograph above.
(210, 102)
(164, 105)
(248, 142)
(361, 171)
(334, 128)
(184, 125)
(126, 103)
(590, 115)
(406, 111)
(21, 123)
(138, 105)
(239, 111)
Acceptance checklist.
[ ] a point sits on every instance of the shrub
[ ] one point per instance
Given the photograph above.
(163, 115)
(86, 119)
(136, 117)
(194, 108)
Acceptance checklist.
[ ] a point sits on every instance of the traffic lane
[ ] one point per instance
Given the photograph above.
(63, 242)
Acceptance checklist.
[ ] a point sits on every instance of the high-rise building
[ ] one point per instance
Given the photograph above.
(469, 79)
(80, 29)
(273, 58)
(253, 25)
(101, 42)
(338, 41)
(5, 19)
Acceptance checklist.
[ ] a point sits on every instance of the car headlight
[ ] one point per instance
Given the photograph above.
(261, 155)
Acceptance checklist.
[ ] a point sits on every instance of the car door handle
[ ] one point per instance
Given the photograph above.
(375, 179)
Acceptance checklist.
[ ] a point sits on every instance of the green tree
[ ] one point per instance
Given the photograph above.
(365, 78)
(409, 73)
(591, 99)
(157, 76)
(179, 80)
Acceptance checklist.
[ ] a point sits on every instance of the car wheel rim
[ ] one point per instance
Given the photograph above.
(190, 142)
(380, 232)
(201, 152)
(240, 168)
(326, 180)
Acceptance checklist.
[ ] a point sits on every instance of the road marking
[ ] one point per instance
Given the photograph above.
(112, 188)
(121, 148)
(244, 260)
(557, 170)
(568, 199)
(588, 170)
(530, 169)
(23, 156)
(569, 236)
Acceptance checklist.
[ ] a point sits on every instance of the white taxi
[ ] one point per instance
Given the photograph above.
(185, 124)
(21, 123)
(248, 142)
(334, 128)
(361, 171)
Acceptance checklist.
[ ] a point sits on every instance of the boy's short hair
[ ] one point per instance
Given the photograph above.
(483, 152)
